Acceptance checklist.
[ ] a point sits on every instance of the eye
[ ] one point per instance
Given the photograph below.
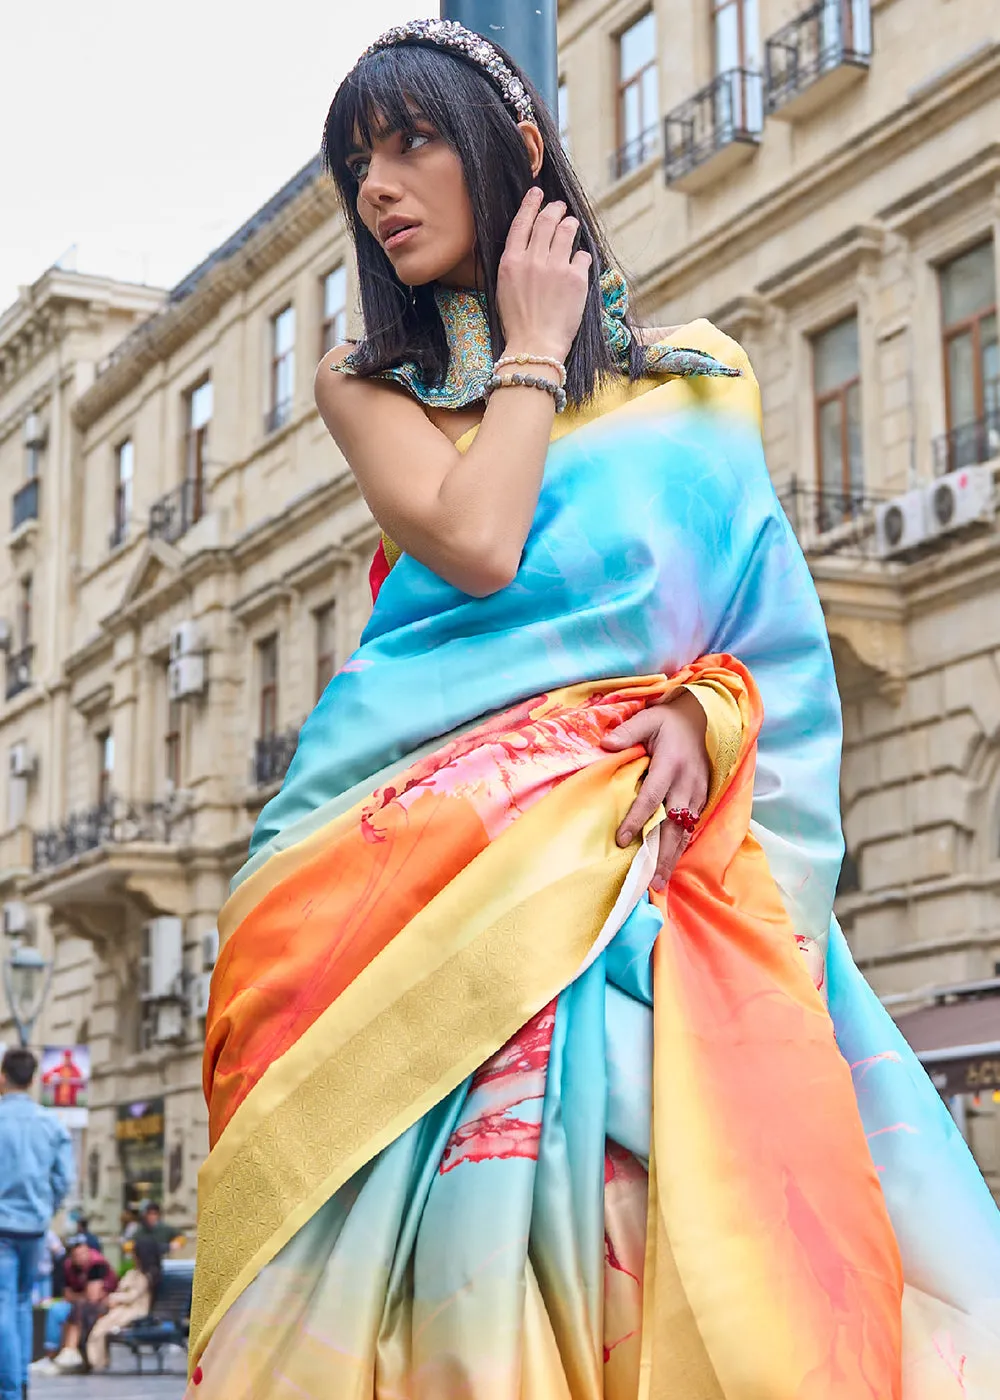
(359, 167)
(413, 140)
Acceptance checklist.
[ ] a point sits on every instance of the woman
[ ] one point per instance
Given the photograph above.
(133, 1299)
(588, 747)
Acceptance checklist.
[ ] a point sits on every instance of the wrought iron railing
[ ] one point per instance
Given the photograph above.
(635, 152)
(968, 444)
(115, 822)
(272, 755)
(173, 514)
(24, 504)
(729, 109)
(18, 671)
(277, 416)
(829, 35)
(831, 522)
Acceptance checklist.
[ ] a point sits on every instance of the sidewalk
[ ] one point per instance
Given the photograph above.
(120, 1384)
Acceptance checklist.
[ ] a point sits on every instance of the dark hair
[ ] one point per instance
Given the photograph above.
(97, 1273)
(386, 92)
(18, 1067)
(148, 1257)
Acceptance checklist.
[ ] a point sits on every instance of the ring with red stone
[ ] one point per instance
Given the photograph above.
(684, 818)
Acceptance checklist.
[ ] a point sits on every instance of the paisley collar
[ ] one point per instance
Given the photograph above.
(470, 365)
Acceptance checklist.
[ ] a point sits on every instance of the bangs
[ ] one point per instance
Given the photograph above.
(386, 93)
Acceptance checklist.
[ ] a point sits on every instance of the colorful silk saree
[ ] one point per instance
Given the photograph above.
(490, 1121)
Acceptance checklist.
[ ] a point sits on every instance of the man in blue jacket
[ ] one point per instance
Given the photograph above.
(36, 1172)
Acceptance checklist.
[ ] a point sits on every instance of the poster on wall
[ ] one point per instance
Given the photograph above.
(139, 1132)
(64, 1082)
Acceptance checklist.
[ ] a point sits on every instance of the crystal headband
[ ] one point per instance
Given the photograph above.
(449, 34)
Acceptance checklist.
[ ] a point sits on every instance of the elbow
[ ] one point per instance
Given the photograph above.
(488, 570)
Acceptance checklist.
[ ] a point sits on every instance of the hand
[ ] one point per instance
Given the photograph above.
(541, 283)
(678, 775)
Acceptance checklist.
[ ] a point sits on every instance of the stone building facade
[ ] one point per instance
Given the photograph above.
(823, 182)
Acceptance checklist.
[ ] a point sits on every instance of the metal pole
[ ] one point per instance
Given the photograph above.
(525, 28)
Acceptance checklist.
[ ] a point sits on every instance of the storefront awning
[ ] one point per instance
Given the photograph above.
(957, 1037)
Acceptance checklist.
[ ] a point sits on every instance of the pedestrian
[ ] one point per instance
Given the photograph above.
(90, 1280)
(38, 1171)
(132, 1300)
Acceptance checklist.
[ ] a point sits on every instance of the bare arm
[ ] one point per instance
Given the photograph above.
(467, 516)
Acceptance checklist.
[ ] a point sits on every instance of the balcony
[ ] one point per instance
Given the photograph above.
(277, 416)
(635, 153)
(19, 671)
(831, 522)
(173, 514)
(271, 757)
(112, 823)
(24, 504)
(713, 132)
(810, 61)
(969, 444)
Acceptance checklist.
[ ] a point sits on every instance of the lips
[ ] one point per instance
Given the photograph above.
(396, 231)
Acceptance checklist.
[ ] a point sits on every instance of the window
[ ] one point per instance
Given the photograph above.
(172, 742)
(638, 95)
(334, 309)
(971, 354)
(562, 105)
(124, 472)
(25, 599)
(282, 367)
(105, 766)
(735, 39)
(837, 397)
(326, 646)
(198, 403)
(267, 672)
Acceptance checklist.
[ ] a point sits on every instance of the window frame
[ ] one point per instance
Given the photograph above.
(280, 412)
(123, 490)
(838, 394)
(267, 686)
(953, 330)
(325, 342)
(329, 669)
(196, 451)
(622, 86)
(25, 610)
(105, 740)
(173, 739)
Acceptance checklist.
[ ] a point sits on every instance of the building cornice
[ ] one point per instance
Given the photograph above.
(164, 333)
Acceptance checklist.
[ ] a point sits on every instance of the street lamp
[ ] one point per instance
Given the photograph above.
(26, 977)
(525, 28)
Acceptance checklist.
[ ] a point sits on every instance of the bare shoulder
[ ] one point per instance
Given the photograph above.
(338, 393)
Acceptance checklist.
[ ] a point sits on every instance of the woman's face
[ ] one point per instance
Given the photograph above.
(413, 199)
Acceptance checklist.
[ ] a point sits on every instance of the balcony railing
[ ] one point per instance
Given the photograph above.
(831, 522)
(969, 444)
(24, 504)
(19, 671)
(112, 823)
(717, 128)
(277, 416)
(271, 757)
(173, 514)
(826, 47)
(635, 152)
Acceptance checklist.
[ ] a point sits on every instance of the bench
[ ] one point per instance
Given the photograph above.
(167, 1324)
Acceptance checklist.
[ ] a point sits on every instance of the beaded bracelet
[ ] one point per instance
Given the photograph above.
(557, 365)
(527, 381)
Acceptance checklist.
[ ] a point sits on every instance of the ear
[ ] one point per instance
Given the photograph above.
(534, 145)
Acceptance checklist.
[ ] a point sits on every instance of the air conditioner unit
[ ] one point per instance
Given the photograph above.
(6, 635)
(900, 524)
(162, 958)
(184, 640)
(17, 919)
(169, 1023)
(210, 949)
(21, 762)
(34, 431)
(186, 676)
(958, 499)
(198, 994)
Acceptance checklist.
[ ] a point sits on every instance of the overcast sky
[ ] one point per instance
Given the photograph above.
(145, 134)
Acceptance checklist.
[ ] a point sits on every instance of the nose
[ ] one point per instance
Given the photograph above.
(381, 185)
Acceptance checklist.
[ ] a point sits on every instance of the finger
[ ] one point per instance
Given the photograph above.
(544, 229)
(672, 843)
(523, 222)
(581, 261)
(562, 239)
(651, 796)
(631, 731)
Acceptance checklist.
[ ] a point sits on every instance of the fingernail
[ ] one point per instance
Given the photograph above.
(624, 837)
(535, 192)
(658, 884)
